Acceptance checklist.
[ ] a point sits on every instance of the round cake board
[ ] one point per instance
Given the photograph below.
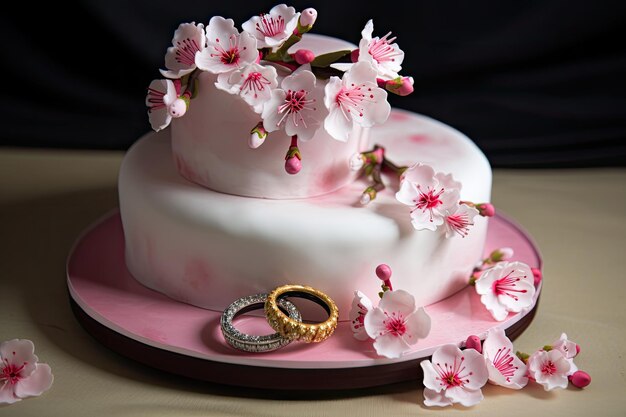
(176, 337)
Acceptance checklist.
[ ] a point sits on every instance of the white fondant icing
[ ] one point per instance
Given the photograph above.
(208, 249)
(210, 144)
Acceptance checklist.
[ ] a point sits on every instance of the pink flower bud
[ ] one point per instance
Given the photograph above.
(308, 17)
(293, 165)
(356, 162)
(304, 56)
(354, 55)
(365, 199)
(255, 141)
(257, 136)
(178, 108)
(486, 209)
(537, 275)
(577, 349)
(473, 342)
(383, 272)
(580, 379)
(402, 86)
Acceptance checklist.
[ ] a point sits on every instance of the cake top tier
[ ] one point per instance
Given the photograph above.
(291, 88)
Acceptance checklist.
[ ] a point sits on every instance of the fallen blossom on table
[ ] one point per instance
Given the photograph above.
(21, 375)
(505, 368)
(454, 376)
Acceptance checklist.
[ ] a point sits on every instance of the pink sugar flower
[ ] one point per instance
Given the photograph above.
(297, 107)
(569, 350)
(161, 95)
(385, 55)
(549, 369)
(505, 368)
(254, 84)
(227, 49)
(431, 196)
(180, 59)
(459, 219)
(506, 287)
(354, 99)
(361, 305)
(396, 324)
(274, 28)
(382, 53)
(454, 376)
(20, 374)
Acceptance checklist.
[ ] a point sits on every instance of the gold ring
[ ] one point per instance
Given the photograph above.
(295, 330)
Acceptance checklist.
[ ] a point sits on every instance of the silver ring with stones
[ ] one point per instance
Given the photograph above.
(252, 343)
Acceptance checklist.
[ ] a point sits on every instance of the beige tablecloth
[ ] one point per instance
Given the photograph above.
(577, 217)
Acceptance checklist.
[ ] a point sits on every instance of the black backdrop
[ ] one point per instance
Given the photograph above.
(534, 84)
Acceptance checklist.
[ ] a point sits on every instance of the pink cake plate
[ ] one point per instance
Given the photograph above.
(179, 338)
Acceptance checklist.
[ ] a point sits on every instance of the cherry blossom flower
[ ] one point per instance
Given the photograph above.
(253, 83)
(569, 350)
(20, 374)
(549, 369)
(296, 107)
(504, 367)
(361, 305)
(459, 219)
(505, 287)
(355, 98)
(384, 55)
(431, 196)
(161, 95)
(396, 324)
(180, 58)
(273, 28)
(454, 376)
(227, 49)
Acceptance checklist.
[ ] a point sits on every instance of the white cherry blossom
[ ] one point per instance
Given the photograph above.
(355, 98)
(361, 305)
(274, 28)
(227, 49)
(569, 349)
(505, 368)
(296, 107)
(459, 219)
(180, 59)
(161, 95)
(21, 375)
(384, 55)
(431, 196)
(506, 287)
(254, 84)
(549, 369)
(454, 376)
(396, 324)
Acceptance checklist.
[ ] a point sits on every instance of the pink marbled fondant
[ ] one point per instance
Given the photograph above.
(419, 138)
(197, 274)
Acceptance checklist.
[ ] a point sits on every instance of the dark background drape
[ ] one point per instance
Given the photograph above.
(534, 84)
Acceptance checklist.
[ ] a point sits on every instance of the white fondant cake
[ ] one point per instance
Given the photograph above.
(208, 248)
(210, 215)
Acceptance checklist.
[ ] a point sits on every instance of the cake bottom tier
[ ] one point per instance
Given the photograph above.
(207, 248)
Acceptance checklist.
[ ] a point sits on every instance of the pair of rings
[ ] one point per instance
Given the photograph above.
(282, 316)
